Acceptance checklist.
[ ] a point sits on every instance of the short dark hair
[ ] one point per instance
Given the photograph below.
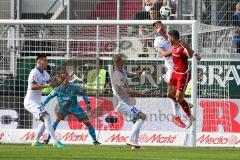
(174, 33)
(40, 56)
(156, 23)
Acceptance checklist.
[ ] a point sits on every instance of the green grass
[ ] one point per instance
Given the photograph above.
(90, 152)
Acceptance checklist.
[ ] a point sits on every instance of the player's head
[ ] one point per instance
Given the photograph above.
(238, 7)
(42, 61)
(118, 61)
(70, 68)
(64, 78)
(173, 36)
(158, 27)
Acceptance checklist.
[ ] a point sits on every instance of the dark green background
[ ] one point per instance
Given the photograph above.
(213, 91)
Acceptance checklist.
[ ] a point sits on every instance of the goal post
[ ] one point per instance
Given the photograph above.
(64, 41)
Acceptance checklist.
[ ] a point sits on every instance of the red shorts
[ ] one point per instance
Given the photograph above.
(180, 80)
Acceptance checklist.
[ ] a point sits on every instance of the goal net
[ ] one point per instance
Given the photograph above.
(88, 46)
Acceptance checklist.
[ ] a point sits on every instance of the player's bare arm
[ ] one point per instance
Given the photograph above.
(165, 53)
(35, 86)
(137, 74)
(190, 51)
(134, 92)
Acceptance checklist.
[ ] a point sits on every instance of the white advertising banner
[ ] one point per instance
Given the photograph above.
(218, 122)
(218, 139)
(213, 115)
(147, 138)
(158, 111)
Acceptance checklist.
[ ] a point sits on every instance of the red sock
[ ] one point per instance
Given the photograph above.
(185, 107)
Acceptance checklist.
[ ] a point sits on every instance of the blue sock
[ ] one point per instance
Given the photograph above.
(55, 124)
(92, 133)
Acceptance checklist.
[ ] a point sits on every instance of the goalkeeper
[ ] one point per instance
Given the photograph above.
(67, 99)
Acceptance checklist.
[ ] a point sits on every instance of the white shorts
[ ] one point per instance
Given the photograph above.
(128, 110)
(36, 109)
(168, 74)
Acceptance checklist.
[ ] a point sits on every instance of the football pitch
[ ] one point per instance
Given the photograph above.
(90, 152)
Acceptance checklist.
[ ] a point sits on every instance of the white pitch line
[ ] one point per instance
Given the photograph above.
(132, 158)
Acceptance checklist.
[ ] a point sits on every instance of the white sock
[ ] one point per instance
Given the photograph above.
(40, 130)
(136, 126)
(49, 128)
(137, 136)
(175, 108)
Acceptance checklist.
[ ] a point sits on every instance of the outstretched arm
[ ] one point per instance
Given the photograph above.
(188, 48)
(165, 53)
(137, 74)
(190, 52)
(32, 80)
(49, 97)
(133, 92)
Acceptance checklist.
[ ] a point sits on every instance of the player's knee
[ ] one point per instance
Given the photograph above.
(171, 95)
(87, 122)
(59, 117)
(44, 115)
(143, 116)
(179, 99)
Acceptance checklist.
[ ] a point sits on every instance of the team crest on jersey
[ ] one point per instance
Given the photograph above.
(65, 98)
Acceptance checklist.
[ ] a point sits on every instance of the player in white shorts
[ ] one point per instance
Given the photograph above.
(126, 104)
(163, 47)
(37, 81)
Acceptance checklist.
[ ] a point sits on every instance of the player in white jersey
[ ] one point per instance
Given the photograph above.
(37, 81)
(163, 47)
(126, 104)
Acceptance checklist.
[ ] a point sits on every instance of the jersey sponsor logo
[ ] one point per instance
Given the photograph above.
(66, 98)
(175, 55)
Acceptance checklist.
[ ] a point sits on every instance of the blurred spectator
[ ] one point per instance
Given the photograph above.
(236, 22)
(142, 15)
(236, 16)
(148, 4)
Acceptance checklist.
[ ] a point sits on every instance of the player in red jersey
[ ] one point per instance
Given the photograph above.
(181, 73)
